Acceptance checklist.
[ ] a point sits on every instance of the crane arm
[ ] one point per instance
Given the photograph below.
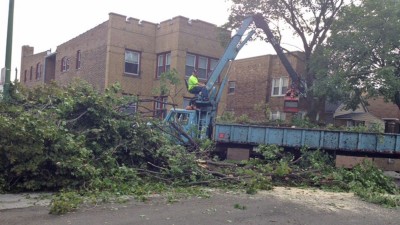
(231, 51)
(233, 48)
(261, 24)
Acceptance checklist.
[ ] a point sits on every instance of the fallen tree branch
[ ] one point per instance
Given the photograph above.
(77, 118)
(183, 133)
(220, 164)
(215, 173)
(158, 167)
(235, 179)
(297, 160)
(154, 174)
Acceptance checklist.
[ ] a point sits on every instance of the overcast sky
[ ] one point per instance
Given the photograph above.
(45, 24)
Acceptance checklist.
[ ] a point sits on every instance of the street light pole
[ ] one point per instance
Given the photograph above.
(7, 83)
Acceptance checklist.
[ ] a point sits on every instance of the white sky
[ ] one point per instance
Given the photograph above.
(45, 24)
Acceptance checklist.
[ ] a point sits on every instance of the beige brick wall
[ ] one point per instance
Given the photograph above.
(188, 36)
(128, 34)
(103, 50)
(178, 36)
(93, 47)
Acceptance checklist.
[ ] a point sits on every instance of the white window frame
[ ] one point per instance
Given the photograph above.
(135, 60)
(231, 87)
(163, 63)
(213, 64)
(64, 64)
(133, 107)
(190, 64)
(160, 65)
(168, 61)
(279, 83)
(38, 71)
(277, 115)
(349, 123)
(202, 67)
(78, 59)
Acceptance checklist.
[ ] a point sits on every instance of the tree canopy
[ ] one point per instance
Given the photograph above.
(308, 20)
(361, 58)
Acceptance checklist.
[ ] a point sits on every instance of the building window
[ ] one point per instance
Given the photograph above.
(25, 75)
(31, 73)
(160, 109)
(163, 63)
(231, 87)
(190, 64)
(64, 64)
(277, 115)
(132, 62)
(38, 71)
(204, 65)
(353, 123)
(280, 86)
(78, 59)
(213, 64)
(349, 123)
(131, 108)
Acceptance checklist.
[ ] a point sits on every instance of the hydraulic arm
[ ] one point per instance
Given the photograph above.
(260, 23)
(203, 118)
(233, 49)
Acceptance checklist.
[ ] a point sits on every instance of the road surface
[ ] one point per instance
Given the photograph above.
(281, 206)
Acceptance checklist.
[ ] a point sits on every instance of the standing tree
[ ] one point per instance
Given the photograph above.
(362, 57)
(308, 20)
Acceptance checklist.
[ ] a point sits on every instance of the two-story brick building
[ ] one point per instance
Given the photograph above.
(131, 52)
(261, 82)
(134, 53)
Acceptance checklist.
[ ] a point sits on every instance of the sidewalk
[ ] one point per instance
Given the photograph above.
(23, 200)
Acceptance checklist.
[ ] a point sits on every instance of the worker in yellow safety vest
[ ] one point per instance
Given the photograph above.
(196, 87)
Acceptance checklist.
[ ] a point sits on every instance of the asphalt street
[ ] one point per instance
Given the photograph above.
(280, 206)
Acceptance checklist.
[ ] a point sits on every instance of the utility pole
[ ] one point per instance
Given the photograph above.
(16, 74)
(7, 83)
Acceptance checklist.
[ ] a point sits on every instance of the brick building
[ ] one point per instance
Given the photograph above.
(257, 81)
(131, 52)
(377, 112)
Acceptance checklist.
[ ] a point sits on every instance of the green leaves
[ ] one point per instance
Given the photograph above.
(167, 81)
(55, 137)
(307, 23)
(75, 138)
(369, 183)
(361, 57)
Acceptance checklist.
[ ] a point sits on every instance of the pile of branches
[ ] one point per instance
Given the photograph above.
(77, 138)
(273, 166)
(55, 137)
